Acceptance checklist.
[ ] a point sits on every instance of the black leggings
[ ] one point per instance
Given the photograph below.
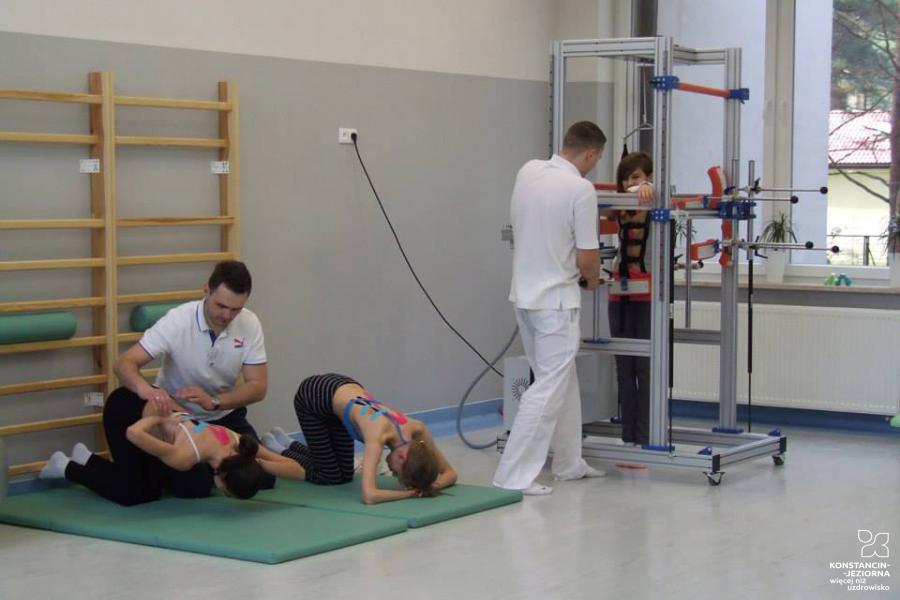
(134, 477)
(328, 455)
(630, 319)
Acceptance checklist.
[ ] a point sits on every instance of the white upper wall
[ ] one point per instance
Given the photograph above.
(591, 19)
(498, 38)
(495, 38)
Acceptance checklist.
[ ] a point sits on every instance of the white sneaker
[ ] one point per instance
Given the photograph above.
(536, 489)
(81, 454)
(382, 469)
(589, 472)
(592, 472)
(55, 467)
(271, 443)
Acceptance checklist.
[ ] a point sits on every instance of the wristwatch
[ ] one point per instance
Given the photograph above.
(216, 402)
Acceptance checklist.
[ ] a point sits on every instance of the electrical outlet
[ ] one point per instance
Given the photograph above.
(93, 399)
(219, 167)
(345, 135)
(89, 165)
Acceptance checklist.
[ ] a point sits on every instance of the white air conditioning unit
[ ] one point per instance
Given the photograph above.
(596, 381)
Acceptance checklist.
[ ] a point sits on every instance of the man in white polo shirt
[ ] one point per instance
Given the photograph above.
(205, 345)
(554, 219)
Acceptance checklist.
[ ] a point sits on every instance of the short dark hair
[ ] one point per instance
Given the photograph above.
(631, 163)
(584, 135)
(235, 276)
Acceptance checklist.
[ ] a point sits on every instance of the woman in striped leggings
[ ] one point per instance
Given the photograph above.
(333, 411)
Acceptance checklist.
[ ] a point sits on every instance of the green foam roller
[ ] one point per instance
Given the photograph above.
(37, 327)
(4, 468)
(143, 316)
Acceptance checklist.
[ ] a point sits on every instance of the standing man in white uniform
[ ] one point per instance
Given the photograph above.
(554, 219)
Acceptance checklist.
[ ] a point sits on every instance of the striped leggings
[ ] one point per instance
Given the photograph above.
(328, 455)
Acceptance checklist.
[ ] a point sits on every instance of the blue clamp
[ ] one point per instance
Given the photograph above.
(775, 433)
(657, 448)
(740, 94)
(727, 430)
(660, 215)
(740, 210)
(664, 82)
(706, 451)
(842, 279)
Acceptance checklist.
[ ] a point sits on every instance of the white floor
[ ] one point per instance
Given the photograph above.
(765, 532)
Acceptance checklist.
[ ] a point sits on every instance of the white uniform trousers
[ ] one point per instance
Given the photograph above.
(549, 412)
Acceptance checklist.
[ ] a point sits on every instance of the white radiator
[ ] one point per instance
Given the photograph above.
(841, 359)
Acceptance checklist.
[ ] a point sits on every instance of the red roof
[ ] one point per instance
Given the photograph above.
(859, 138)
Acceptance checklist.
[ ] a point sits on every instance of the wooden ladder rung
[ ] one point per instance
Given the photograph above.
(38, 305)
(148, 140)
(170, 221)
(52, 384)
(25, 468)
(51, 223)
(163, 259)
(78, 342)
(49, 138)
(172, 103)
(131, 336)
(148, 373)
(54, 263)
(160, 296)
(77, 98)
(51, 424)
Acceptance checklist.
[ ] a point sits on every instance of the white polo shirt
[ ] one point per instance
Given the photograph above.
(191, 357)
(553, 212)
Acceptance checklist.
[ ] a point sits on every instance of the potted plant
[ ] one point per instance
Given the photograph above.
(681, 239)
(778, 230)
(893, 249)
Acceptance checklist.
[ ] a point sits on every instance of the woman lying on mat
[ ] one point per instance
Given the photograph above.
(153, 450)
(333, 410)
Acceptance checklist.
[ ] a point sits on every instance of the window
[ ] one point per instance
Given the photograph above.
(863, 65)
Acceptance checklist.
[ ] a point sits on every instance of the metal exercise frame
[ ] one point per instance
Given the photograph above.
(725, 444)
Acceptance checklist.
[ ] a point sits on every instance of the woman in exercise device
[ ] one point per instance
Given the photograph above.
(333, 411)
(152, 449)
(629, 299)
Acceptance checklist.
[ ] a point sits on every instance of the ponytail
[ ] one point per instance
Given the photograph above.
(240, 473)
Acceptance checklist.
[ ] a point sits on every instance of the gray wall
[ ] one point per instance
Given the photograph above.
(330, 286)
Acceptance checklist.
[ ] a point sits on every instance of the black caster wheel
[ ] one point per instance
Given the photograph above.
(714, 478)
(778, 460)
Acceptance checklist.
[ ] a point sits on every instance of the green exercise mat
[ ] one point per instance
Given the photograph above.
(144, 316)
(455, 501)
(37, 327)
(243, 529)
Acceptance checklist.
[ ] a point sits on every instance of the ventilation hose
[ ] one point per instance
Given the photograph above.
(462, 403)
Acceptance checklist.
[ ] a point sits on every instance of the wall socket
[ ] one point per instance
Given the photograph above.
(345, 135)
(93, 399)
